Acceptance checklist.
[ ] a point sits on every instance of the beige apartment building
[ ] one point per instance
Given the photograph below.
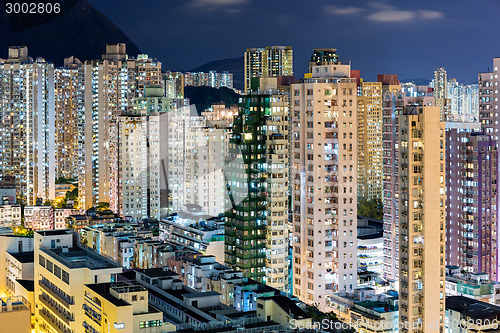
(119, 307)
(422, 219)
(15, 315)
(324, 176)
(370, 140)
(62, 269)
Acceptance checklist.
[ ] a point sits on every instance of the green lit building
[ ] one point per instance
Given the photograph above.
(256, 228)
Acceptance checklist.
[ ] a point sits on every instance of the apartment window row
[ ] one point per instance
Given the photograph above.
(54, 269)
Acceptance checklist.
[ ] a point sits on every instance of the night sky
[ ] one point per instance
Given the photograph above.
(408, 38)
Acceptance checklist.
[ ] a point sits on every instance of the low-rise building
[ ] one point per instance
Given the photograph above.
(224, 284)
(191, 310)
(200, 235)
(61, 190)
(120, 307)
(115, 240)
(370, 244)
(77, 222)
(39, 217)
(20, 266)
(284, 311)
(247, 293)
(62, 267)
(10, 215)
(366, 310)
(26, 289)
(10, 244)
(15, 315)
(464, 314)
(197, 270)
(60, 216)
(477, 286)
(376, 316)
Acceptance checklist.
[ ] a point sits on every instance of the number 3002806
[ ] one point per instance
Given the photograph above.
(32, 8)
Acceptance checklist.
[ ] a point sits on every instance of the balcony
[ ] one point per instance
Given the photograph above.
(58, 296)
(92, 314)
(64, 317)
(53, 323)
(89, 328)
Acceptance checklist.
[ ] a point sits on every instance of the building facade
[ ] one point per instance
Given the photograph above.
(256, 229)
(271, 61)
(370, 140)
(110, 86)
(324, 176)
(10, 215)
(395, 98)
(27, 132)
(422, 219)
(209, 79)
(471, 221)
(62, 269)
(67, 90)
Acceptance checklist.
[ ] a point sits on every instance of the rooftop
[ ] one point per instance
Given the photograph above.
(472, 308)
(264, 324)
(54, 232)
(24, 257)
(157, 272)
(201, 294)
(103, 289)
(29, 285)
(79, 257)
(377, 306)
(376, 235)
(128, 275)
(288, 306)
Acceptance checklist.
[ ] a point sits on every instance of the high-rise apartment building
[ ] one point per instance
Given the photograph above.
(174, 84)
(472, 219)
(206, 150)
(256, 228)
(110, 86)
(488, 105)
(323, 57)
(62, 269)
(67, 91)
(370, 140)
(210, 79)
(441, 91)
(394, 98)
(27, 132)
(392, 103)
(422, 219)
(150, 167)
(159, 176)
(271, 61)
(141, 153)
(324, 176)
(463, 102)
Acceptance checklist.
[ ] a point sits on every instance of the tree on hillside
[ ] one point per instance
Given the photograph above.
(371, 208)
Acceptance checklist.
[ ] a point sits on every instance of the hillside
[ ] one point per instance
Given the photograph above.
(232, 65)
(204, 97)
(80, 30)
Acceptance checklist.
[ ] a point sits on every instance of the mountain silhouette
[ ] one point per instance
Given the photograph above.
(79, 30)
